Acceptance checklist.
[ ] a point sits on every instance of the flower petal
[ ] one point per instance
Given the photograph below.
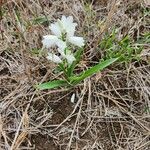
(71, 30)
(49, 40)
(61, 44)
(78, 41)
(54, 58)
(61, 52)
(70, 58)
(56, 29)
(68, 25)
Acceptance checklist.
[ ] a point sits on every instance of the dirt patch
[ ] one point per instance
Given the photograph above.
(44, 143)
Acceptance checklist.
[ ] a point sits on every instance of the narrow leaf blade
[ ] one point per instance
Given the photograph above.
(93, 70)
(52, 84)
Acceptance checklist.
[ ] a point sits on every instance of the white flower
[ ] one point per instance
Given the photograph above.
(76, 41)
(63, 33)
(61, 44)
(54, 58)
(70, 58)
(56, 30)
(66, 27)
(49, 40)
(52, 40)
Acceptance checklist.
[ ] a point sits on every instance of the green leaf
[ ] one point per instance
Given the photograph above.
(91, 71)
(61, 66)
(52, 84)
(78, 54)
(40, 20)
(76, 79)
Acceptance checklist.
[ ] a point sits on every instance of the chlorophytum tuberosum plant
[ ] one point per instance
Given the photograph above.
(67, 54)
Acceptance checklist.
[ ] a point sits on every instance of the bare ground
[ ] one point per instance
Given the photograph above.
(111, 109)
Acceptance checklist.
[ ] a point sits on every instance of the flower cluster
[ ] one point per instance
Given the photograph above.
(63, 35)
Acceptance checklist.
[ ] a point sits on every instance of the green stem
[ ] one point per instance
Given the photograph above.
(65, 71)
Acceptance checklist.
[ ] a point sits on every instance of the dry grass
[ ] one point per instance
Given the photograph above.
(112, 108)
